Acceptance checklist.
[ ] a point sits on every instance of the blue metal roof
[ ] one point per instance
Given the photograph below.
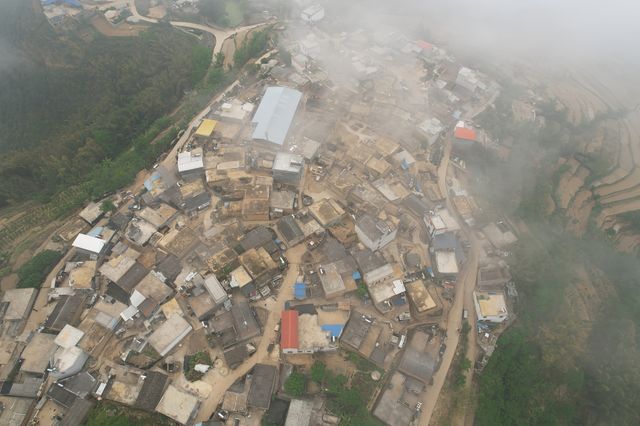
(275, 114)
(334, 329)
(300, 291)
(356, 275)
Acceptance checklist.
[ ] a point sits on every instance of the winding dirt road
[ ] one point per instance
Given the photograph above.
(219, 35)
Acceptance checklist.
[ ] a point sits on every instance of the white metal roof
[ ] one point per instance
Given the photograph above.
(89, 243)
(215, 289)
(137, 298)
(190, 160)
(275, 114)
(129, 313)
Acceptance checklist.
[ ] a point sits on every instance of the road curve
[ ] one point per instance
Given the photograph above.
(219, 35)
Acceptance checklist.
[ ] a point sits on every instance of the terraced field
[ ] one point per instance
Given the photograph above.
(609, 108)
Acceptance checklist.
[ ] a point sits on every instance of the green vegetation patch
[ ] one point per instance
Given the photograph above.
(296, 384)
(33, 273)
(111, 414)
(201, 357)
(348, 400)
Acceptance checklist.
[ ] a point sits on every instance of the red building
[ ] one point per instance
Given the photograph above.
(289, 332)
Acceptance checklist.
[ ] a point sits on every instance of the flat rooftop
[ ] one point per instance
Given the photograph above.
(37, 353)
(446, 262)
(20, 301)
(177, 405)
(326, 211)
(491, 303)
(169, 334)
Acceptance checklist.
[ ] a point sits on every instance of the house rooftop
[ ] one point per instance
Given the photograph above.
(446, 262)
(177, 405)
(206, 128)
(374, 228)
(89, 243)
(356, 330)
(491, 303)
(169, 334)
(68, 337)
(20, 301)
(262, 386)
(465, 133)
(38, 353)
(416, 361)
(288, 162)
(190, 160)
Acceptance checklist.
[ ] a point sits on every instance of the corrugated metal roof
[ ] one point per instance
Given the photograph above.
(465, 133)
(300, 291)
(275, 114)
(289, 331)
(206, 127)
(89, 243)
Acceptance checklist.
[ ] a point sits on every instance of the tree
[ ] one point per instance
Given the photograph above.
(107, 206)
(285, 56)
(215, 10)
(33, 272)
(318, 372)
(295, 384)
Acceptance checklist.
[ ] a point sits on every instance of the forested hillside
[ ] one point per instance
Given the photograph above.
(572, 356)
(71, 100)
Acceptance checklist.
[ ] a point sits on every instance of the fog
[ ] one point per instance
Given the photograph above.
(555, 32)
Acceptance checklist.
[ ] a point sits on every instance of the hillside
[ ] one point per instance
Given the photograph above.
(572, 356)
(71, 100)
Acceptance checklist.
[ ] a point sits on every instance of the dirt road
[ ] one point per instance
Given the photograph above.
(219, 35)
(220, 383)
(464, 288)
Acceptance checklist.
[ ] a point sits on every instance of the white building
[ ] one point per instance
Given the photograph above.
(490, 306)
(190, 163)
(313, 13)
(431, 129)
(89, 244)
(374, 233)
(440, 222)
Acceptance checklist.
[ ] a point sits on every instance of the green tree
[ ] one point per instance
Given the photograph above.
(318, 371)
(215, 10)
(285, 56)
(295, 384)
(107, 206)
(33, 273)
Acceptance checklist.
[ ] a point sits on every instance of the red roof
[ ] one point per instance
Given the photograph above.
(424, 44)
(289, 330)
(465, 133)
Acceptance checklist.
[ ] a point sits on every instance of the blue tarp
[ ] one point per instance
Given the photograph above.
(334, 329)
(96, 231)
(356, 275)
(300, 291)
